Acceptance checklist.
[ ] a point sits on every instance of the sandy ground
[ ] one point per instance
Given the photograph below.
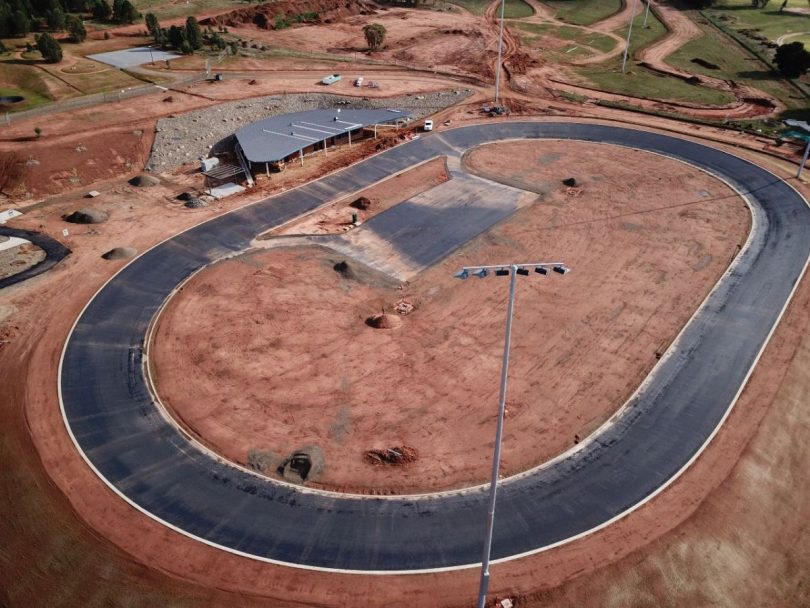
(337, 217)
(66, 550)
(297, 366)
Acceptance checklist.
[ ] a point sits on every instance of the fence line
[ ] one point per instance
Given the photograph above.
(95, 99)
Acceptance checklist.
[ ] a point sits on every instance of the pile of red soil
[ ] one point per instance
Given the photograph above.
(384, 321)
(264, 15)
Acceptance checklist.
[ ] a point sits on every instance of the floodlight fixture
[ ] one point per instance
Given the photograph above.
(462, 274)
(562, 269)
(502, 272)
(541, 270)
(524, 272)
(481, 273)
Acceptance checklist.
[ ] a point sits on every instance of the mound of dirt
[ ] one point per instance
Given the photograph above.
(120, 253)
(144, 181)
(396, 456)
(344, 270)
(384, 321)
(87, 216)
(361, 203)
(307, 11)
(571, 182)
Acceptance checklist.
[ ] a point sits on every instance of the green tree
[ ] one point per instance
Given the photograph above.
(177, 36)
(116, 9)
(56, 19)
(375, 35)
(20, 23)
(161, 37)
(792, 59)
(194, 35)
(152, 24)
(49, 48)
(185, 48)
(101, 10)
(129, 14)
(76, 29)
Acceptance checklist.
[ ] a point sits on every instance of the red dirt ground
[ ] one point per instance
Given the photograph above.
(270, 351)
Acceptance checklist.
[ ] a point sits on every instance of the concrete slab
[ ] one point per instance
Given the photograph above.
(417, 233)
(11, 242)
(128, 58)
(226, 190)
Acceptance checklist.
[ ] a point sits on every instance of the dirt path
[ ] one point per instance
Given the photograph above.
(681, 30)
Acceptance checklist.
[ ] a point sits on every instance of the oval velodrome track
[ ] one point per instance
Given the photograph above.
(119, 430)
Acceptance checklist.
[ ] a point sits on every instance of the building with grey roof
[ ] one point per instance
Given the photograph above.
(285, 137)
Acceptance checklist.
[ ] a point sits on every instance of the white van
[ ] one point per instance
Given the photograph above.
(359, 81)
(428, 125)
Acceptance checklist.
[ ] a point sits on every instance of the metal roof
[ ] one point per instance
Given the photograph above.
(277, 137)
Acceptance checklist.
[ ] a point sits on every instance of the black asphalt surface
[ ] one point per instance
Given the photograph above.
(114, 421)
(55, 252)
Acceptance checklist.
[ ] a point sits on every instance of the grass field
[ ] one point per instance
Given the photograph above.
(533, 32)
(512, 9)
(18, 79)
(583, 12)
(641, 82)
(179, 8)
(734, 63)
(769, 21)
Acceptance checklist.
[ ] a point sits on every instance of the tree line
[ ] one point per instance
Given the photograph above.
(18, 18)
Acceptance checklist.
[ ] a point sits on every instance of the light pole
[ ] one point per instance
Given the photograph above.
(500, 52)
(646, 13)
(629, 30)
(512, 270)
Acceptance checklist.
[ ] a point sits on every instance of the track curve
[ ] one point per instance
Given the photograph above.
(113, 421)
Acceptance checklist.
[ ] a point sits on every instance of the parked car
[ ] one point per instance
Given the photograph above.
(428, 126)
(358, 81)
(331, 79)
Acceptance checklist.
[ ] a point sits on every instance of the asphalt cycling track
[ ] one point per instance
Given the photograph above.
(118, 429)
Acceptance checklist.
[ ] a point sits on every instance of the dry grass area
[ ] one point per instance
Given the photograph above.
(272, 352)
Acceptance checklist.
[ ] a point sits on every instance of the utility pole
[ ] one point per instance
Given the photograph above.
(500, 53)
(629, 31)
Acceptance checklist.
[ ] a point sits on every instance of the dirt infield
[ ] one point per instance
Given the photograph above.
(270, 353)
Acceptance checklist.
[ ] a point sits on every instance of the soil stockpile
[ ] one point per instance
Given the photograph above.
(120, 253)
(87, 216)
(144, 181)
(309, 11)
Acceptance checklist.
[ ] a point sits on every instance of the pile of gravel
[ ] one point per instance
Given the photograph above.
(195, 203)
(87, 216)
(186, 137)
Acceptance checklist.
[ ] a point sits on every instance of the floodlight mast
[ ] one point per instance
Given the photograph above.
(513, 270)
